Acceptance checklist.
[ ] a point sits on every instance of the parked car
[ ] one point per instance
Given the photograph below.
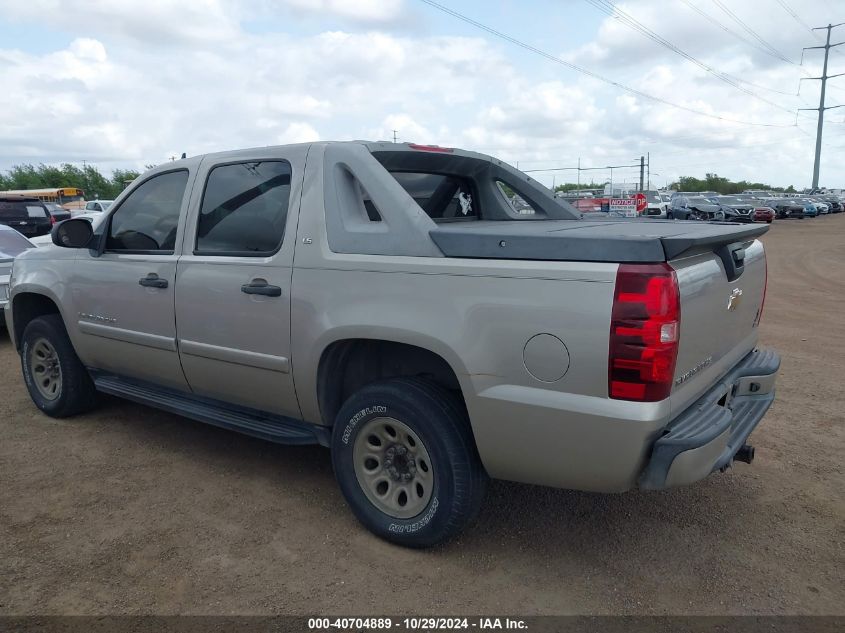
(12, 244)
(93, 206)
(57, 212)
(786, 208)
(834, 203)
(656, 206)
(810, 208)
(577, 355)
(694, 208)
(763, 214)
(26, 215)
(734, 208)
(822, 205)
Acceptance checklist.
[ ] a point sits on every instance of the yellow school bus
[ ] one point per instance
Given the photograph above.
(68, 197)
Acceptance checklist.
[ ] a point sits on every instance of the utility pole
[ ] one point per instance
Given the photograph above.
(827, 46)
(648, 168)
(395, 132)
(642, 172)
(579, 172)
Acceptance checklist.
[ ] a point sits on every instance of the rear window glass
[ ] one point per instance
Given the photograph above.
(21, 209)
(13, 243)
(443, 198)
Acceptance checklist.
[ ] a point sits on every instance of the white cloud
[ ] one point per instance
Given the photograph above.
(136, 86)
(298, 133)
(156, 22)
(362, 11)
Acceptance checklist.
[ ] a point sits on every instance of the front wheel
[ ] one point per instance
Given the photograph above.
(57, 381)
(670, 216)
(406, 462)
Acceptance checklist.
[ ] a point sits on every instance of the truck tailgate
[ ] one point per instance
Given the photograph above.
(720, 311)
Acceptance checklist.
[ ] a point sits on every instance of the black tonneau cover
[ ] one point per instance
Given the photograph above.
(628, 241)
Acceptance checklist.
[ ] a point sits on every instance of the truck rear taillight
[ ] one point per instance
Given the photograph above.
(644, 331)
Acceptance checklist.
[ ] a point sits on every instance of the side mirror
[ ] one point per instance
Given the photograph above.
(73, 233)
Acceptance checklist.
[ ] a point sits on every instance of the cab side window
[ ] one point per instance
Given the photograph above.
(244, 209)
(146, 221)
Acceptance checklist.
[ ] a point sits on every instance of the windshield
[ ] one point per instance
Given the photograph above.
(730, 200)
(13, 243)
(699, 200)
(653, 196)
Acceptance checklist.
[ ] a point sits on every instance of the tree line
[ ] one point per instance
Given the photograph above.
(711, 182)
(714, 182)
(88, 178)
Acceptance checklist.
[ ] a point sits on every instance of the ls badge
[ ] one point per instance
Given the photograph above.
(735, 299)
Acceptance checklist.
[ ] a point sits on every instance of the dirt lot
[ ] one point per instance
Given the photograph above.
(128, 510)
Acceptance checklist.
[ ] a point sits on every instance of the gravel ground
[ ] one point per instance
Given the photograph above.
(128, 510)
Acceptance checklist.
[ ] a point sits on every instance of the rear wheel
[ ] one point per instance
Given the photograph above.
(57, 381)
(406, 462)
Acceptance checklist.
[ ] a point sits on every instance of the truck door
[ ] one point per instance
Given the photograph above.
(123, 297)
(233, 281)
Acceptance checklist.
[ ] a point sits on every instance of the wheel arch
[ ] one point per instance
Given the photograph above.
(25, 307)
(348, 363)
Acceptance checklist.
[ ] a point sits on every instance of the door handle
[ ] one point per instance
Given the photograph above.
(261, 287)
(153, 281)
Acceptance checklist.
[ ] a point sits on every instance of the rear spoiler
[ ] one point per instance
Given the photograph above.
(645, 241)
(718, 235)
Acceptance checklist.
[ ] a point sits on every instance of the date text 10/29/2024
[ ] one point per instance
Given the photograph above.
(415, 624)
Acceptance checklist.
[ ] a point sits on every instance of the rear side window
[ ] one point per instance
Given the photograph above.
(443, 198)
(146, 220)
(244, 209)
(516, 201)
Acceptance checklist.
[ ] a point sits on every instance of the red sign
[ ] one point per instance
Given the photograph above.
(641, 202)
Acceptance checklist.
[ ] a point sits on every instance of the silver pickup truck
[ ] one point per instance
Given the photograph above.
(388, 301)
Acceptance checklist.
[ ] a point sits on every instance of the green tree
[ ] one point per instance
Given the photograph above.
(572, 186)
(87, 178)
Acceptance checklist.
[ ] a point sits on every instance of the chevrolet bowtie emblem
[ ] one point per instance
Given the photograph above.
(734, 299)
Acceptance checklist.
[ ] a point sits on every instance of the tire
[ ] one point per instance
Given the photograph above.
(46, 348)
(670, 215)
(431, 457)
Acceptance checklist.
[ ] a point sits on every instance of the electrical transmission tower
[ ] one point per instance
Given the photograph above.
(827, 46)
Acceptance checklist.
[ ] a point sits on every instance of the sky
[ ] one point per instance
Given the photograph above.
(124, 85)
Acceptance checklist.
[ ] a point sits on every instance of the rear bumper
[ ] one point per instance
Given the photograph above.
(706, 436)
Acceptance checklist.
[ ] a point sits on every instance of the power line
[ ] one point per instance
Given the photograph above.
(742, 38)
(590, 73)
(751, 32)
(795, 16)
(608, 8)
(798, 19)
(531, 171)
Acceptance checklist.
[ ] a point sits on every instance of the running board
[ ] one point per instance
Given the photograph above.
(273, 428)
